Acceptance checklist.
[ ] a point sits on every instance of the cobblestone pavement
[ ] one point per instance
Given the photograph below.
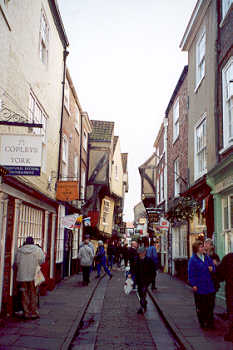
(112, 322)
(120, 326)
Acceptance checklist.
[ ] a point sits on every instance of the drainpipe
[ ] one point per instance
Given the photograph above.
(80, 170)
(65, 54)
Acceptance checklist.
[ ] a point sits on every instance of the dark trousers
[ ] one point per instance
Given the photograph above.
(142, 292)
(153, 284)
(86, 273)
(229, 302)
(205, 307)
(126, 260)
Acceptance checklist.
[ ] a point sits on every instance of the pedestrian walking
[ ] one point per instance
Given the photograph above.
(28, 258)
(151, 252)
(210, 251)
(86, 256)
(133, 255)
(224, 272)
(111, 254)
(100, 258)
(144, 274)
(125, 253)
(200, 268)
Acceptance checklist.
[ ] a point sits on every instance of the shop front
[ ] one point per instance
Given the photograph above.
(24, 212)
(221, 182)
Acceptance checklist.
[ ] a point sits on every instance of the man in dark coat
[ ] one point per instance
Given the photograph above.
(224, 272)
(144, 273)
(133, 256)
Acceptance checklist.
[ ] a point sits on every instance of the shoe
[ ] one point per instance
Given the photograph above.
(26, 316)
(153, 289)
(35, 316)
(140, 311)
(228, 337)
(97, 276)
(110, 277)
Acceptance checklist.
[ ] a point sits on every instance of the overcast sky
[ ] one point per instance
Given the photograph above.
(125, 61)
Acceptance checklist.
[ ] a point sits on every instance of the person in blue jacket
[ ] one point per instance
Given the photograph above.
(100, 259)
(200, 268)
(151, 252)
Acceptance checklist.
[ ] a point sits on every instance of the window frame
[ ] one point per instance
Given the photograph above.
(197, 174)
(227, 101)
(44, 41)
(38, 115)
(176, 116)
(176, 168)
(65, 157)
(200, 60)
(85, 140)
(225, 8)
(60, 237)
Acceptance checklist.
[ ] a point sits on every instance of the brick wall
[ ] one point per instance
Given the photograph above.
(180, 147)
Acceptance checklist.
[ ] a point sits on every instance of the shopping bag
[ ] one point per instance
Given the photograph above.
(128, 286)
(39, 277)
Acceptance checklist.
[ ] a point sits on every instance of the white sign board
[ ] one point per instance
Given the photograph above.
(21, 154)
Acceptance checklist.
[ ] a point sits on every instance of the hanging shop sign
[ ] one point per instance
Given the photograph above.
(67, 190)
(164, 224)
(21, 154)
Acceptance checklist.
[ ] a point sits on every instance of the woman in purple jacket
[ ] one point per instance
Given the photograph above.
(199, 274)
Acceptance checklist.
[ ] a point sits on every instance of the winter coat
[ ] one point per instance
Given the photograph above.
(86, 255)
(152, 253)
(199, 274)
(133, 256)
(224, 272)
(91, 245)
(144, 271)
(100, 255)
(111, 250)
(28, 257)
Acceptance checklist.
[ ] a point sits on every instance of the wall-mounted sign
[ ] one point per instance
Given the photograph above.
(67, 190)
(21, 154)
(164, 224)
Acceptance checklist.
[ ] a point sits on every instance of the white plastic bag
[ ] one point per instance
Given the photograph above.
(128, 285)
(39, 277)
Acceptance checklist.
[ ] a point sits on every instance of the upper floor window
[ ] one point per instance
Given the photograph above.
(44, 38)
(67, 96)
(161, 186)
(226, 4)
(77, 120)
(116, 172)
(37, 115)
(200, 58)
(65, 157)
(157, 191)
(200, 149)
(227, 87)
(83, 185)
(176, 178)
(85, 140)
(176, 120)
(76, 159)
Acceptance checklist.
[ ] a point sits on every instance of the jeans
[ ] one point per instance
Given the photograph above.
(99, 265)
(142, 291)
(86, 274)
(110, 261)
